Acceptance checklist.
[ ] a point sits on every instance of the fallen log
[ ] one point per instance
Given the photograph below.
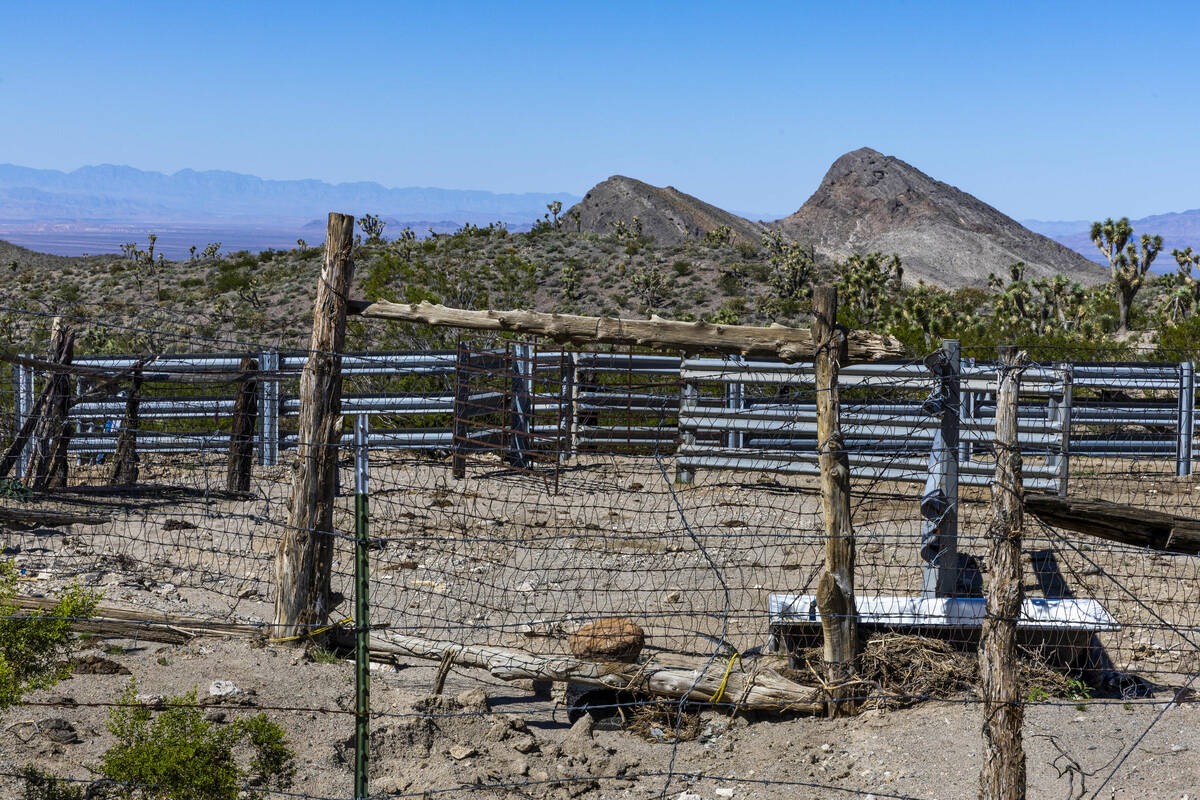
(776, 341)
(143, 624)
(1141, 527)
(663, 676)
(22, 519)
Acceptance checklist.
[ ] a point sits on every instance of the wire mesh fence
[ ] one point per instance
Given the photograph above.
(521, 493)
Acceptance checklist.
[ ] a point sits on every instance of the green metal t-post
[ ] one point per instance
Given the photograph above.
(362, 625)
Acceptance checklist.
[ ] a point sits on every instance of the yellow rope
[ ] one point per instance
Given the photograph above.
(312, 633)
(716, 698)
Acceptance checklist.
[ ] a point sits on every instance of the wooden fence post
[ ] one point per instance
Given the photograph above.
(835, 590)
(304, 558)
(48, 462)
(1003, 774)
(241, 437)
(125, 457)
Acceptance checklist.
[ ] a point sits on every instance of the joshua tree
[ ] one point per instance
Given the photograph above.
(869, 284)
(1186, 296)
(372, 226)
(1128, 263)
(791, 273)
(555, 209)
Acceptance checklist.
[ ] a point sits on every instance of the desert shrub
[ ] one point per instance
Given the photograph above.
(730, 313)
(177, 753)
(747, 250)
(1178, 342)
(33, 648)
(729, 280)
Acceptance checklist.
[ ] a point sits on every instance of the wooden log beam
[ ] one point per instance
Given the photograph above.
(143, 624)
(662, 676)
(776, 341)
(24, 519)
(304, 557)
(1140, 527)
(1002, 776)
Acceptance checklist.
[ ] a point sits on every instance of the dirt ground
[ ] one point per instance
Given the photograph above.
(511, 559)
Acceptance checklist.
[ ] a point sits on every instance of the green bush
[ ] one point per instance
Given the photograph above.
(1179, 342)
(33, 648)
(178, 754)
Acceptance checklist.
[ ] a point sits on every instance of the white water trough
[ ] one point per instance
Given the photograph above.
(1062, 628)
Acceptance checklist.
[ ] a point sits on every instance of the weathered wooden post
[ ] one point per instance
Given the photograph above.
(48, 463)
(1003, 774)
(125, 456)
(835, 590)
(304, 558)
(241, 435)
(940, 578)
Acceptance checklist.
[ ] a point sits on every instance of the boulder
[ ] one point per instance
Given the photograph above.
(611, 639)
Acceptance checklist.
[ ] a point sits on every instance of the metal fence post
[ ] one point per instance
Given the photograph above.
(941, 571)
(1184, 424)
(522, 407)
(23, 377)
(567, 403)
(688, 397)
(735, 400)
(1064, 420)
(268, 423)
(362, 624)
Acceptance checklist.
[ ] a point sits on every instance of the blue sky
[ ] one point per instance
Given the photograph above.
(1048, 110)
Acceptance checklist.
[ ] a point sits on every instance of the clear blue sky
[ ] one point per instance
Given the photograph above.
(1051, 110)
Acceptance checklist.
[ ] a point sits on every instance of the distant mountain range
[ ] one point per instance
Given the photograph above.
(94, 209)
(866, 202)
(109, 192)
(1179, 230)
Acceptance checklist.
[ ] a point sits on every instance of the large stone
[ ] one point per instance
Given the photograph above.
(611, 639)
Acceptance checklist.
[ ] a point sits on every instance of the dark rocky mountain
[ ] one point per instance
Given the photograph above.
(868, 201)
(665, 213)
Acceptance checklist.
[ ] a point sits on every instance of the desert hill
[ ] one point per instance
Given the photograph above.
(665, 213)
(868, 201)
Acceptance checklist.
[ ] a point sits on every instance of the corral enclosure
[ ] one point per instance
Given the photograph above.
(519, 490)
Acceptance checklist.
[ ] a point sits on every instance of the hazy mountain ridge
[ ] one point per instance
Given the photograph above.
(1179, 230)
(100, 192)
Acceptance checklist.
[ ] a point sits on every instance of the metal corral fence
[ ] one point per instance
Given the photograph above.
(712, 413)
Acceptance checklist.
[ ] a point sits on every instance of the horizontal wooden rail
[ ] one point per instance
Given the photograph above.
(789, 344)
